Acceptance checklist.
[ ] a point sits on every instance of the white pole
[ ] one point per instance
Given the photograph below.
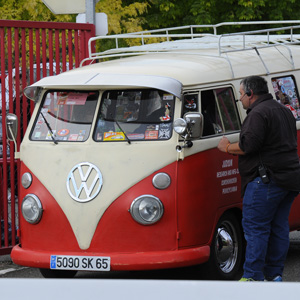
(90, 11)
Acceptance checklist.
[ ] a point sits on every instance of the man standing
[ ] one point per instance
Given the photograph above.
(270, 176)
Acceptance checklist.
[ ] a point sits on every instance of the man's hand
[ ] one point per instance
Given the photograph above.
(223, 144)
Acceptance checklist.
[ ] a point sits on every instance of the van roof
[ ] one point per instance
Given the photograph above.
(203, 58)
(192, 67)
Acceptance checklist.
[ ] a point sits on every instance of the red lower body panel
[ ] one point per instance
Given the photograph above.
(122, 261)
(131, 246)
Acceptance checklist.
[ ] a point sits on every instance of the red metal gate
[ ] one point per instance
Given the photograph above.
(28, 52)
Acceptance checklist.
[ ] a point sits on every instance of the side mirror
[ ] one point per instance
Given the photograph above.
(11, 127)
(190, 126)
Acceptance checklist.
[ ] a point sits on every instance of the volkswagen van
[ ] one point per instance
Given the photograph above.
(119, 165)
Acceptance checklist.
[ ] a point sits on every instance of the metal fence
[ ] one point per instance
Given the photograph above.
(28, 52)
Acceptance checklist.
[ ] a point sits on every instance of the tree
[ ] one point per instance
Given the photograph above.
(123, 16)
(33, 10)
(137, 15)
(171, 13)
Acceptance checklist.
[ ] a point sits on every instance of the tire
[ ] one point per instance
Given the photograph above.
(227, 250)
(48, 273)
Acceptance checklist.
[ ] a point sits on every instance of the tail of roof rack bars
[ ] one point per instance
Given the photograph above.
(225, 43)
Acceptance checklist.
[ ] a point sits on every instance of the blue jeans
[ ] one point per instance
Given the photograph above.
(266, 209)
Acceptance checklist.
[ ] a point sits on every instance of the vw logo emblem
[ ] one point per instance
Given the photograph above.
(84, 182)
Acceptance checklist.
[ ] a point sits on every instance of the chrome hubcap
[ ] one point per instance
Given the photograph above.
(226, 247)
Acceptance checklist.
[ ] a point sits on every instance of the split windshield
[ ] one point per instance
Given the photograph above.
(135, 115)
(124, 115)
(65, 116)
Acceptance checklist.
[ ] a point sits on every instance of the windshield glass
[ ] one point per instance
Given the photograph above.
(65, 116)
(134, 115)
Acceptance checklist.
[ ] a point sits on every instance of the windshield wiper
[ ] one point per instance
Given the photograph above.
(128, 140)
(50, 129)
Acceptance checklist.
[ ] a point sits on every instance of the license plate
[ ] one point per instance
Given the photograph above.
(87, 263)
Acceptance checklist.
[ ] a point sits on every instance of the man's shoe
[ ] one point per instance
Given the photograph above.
(277, 278)
(246, 279)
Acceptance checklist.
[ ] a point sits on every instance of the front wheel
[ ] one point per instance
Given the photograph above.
(227, 250)
(48, 273)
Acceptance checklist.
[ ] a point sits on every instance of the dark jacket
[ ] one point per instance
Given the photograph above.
(269, 135)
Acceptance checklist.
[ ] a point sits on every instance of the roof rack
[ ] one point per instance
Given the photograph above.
(224, 43)
(263, 42)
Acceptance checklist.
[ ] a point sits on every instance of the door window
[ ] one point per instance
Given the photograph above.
(219, 110)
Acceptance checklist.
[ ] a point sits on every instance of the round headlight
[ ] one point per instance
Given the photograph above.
(26, 180)
(180, 126)
(146, 209)
(32, 209)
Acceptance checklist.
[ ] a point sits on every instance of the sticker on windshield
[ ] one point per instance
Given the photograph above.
(151, 135)
(136, 136)
(112, 136)
(41, 121)
(63, 132)
(73, 137)
(164, 131)
(99, 137)
(49, 135)
(152, 127)
(168, 97)
(72, 98)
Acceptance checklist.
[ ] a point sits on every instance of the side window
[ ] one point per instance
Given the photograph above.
(286, 93)
(210, 112)
(228, 110)
(219, 111)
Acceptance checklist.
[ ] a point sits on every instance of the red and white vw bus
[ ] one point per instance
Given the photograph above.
(119, 165)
